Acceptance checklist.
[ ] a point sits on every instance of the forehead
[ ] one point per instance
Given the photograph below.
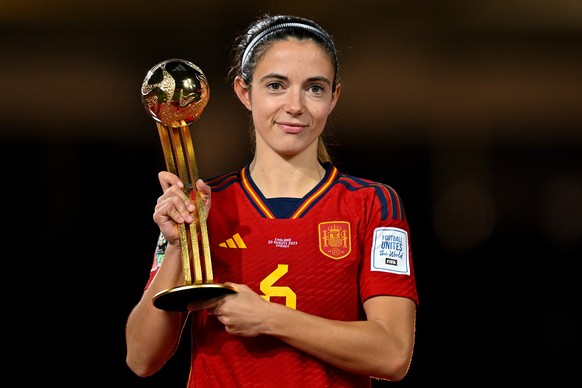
(295, 52)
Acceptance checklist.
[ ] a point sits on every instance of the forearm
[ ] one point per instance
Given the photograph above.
(370, 347)
(152, 334)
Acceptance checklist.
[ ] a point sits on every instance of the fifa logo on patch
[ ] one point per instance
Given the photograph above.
(335, 239)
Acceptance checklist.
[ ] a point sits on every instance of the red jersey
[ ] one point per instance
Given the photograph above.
(346, 241)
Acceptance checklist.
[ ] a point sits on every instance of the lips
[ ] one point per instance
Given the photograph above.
(291, 127)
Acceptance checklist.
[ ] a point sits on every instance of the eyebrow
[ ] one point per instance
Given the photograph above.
(285, 78)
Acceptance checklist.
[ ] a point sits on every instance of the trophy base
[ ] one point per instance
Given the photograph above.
(178, 298)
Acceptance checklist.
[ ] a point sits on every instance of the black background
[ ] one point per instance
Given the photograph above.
(470, 111)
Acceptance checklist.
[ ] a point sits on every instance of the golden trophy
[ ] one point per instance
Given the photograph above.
(174, 93)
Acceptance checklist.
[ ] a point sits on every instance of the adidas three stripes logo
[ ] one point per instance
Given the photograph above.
(235, 242)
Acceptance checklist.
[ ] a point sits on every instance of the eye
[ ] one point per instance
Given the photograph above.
(274, 85)
(316, 89)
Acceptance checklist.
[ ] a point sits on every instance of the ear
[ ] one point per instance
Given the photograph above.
(243, 92)
(335, 96)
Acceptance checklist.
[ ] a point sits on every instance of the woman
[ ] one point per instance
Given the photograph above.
(326, 293)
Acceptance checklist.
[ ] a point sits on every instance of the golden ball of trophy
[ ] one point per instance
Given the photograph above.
(175, 92)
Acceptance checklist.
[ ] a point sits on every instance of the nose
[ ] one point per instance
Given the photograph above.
(294, 103)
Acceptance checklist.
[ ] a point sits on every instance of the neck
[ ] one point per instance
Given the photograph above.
(286, 177)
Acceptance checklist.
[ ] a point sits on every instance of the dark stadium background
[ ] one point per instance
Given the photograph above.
(471, 110)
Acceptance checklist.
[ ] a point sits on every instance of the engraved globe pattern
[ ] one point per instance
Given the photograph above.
(175, 92)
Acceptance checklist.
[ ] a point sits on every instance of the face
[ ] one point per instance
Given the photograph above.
(290, 97)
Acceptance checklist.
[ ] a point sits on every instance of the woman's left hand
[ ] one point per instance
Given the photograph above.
(242, 313)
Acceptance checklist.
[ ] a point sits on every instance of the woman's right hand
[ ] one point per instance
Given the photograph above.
(173, 207)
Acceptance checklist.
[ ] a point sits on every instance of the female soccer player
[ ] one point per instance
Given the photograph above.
(321, 260)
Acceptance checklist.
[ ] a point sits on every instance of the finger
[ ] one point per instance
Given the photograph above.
(203, 188)
(235, 286)
(181, 202)
(195, 306)
(211, 303)
(208, 304)
(204, 193)
(167, 210)
(168, 179)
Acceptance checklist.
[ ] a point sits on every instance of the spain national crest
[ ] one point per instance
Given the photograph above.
(335, 239)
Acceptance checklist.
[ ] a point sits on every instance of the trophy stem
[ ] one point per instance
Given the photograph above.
(201, 209)
(181, 160)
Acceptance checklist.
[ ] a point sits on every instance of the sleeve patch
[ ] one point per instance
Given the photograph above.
(390, 251)
(160, 252)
